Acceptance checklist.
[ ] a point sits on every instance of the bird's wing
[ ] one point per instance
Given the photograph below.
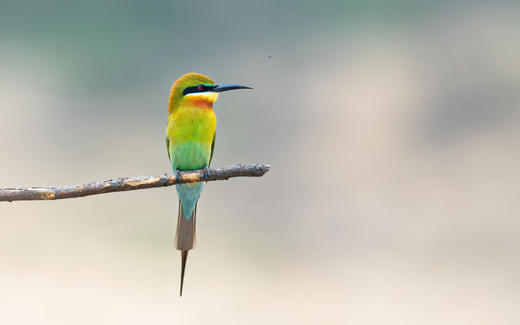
(212, 148)
(168, 147)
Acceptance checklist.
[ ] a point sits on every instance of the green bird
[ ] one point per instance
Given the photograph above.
(190, 141)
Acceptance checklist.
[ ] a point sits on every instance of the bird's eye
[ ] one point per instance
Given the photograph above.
(200, 87)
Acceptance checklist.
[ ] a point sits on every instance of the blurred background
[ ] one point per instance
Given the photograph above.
(392, 129)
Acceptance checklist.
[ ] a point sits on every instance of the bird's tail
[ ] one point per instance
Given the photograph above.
(185, 237)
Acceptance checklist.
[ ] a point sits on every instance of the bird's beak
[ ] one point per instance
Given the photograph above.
(225, 87)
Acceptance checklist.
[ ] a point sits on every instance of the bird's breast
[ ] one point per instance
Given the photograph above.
(190, 133)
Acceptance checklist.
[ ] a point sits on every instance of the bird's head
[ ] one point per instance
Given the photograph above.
(197, 90)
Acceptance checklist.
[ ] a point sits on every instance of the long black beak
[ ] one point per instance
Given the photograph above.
(225, 87)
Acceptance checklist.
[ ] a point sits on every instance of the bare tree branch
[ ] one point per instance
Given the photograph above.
(130, 184)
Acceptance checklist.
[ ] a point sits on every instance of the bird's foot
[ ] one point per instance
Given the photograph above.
(178, 175)
(206, 174)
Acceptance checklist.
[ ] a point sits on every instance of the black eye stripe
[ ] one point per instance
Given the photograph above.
(195, 89)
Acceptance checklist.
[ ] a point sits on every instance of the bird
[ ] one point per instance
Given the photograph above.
(190, 142)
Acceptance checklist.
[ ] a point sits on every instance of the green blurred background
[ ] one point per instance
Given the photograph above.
(393, 132)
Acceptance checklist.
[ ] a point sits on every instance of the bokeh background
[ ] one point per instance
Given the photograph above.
(393, 132)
